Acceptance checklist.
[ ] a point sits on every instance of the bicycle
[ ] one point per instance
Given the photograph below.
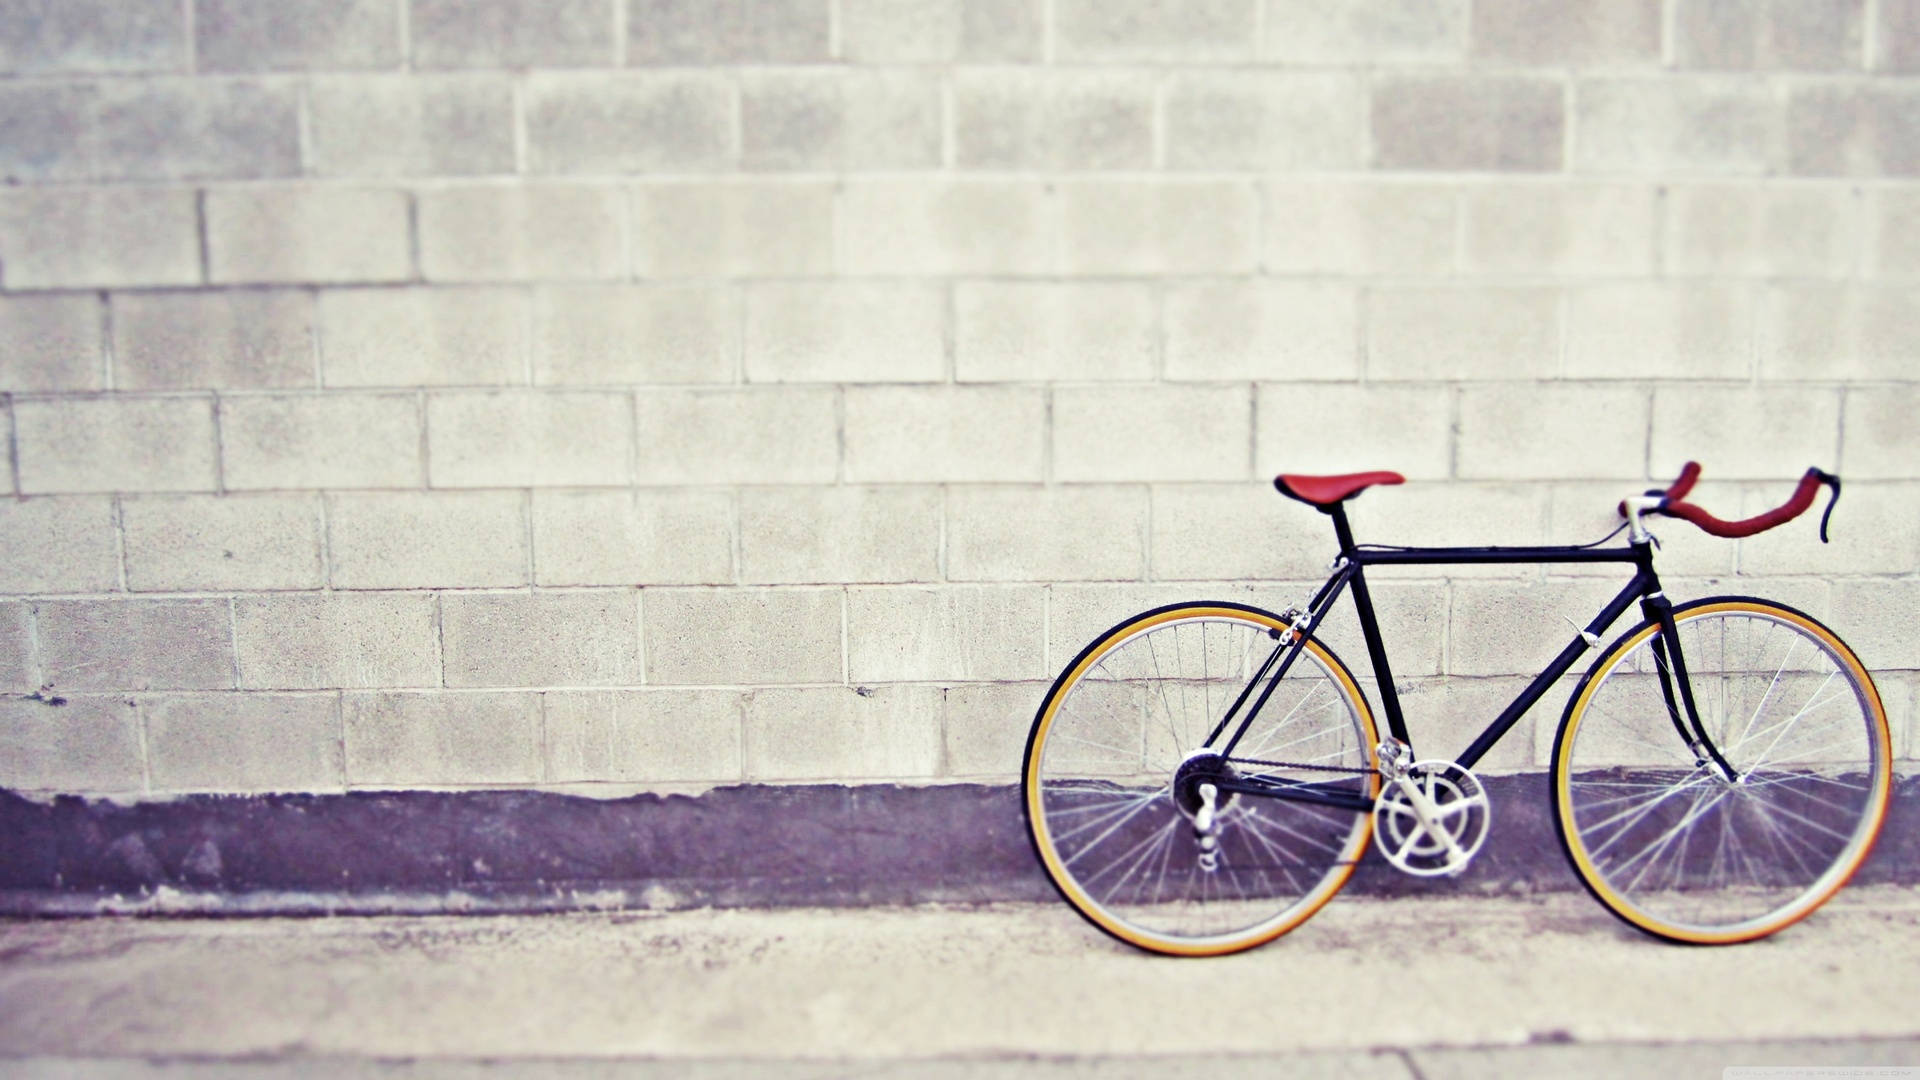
(1203, 777)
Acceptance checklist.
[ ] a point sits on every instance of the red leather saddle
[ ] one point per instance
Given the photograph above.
(1324, 492)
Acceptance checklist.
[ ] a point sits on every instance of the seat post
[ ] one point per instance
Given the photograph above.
(1341, 530)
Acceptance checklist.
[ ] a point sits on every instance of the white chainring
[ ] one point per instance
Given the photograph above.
(1432, 820)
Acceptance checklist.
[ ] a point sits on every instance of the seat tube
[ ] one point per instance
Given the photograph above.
(1370, 628)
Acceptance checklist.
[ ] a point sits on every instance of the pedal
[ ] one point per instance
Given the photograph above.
(1432, 819)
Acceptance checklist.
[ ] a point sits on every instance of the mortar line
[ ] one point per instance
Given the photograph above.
(146, 753)
(118, 506)
(303, 128)
(546, 743)
(735, 516)
(104, 363)
(640, 632)
(426, 447)
(526, 533)
(314, 338)
(940, 549)
(233, 639)
(200, 231)
(219, 446)
(1046, 629)
(326, 543)
(13, 444)
(340, 735)
(845, 665)
(840, 434)
(633, 447)
(416, 268)
(440, 637)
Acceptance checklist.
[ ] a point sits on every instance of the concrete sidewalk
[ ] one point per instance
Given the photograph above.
(1389, 988)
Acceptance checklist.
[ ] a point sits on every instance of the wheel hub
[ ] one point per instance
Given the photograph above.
(1202, 767)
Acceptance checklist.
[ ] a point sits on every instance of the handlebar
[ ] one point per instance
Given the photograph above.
(1672, 503)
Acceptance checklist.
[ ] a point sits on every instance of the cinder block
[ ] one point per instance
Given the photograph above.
(1235, 532)
(1413, 622)
(307, 234)
(1158, 227)
(1893, 232)
(839, 120)
(224, 340)
(332, 440)
(829, 535)
(1589, 229)
(541, 639)
(199, 129)
(1078, 614)
(1656, 330)
(1536, 432)
(542, 231)
(602, 335)
(1897, 36)
(1504, 123)
(1760, 433)
(135, 644)
(19, 668)
(1879, 440)
(1030, 331)
(115, 444)
(1462, 332)
(846, 332)
(1264, 121)
(743, 637)
(1354, 228)
(50, 342)
(430, 337)
(1339, 429)
(745, 436)
(320, 641)
(88, 746)
(410, 125)
(625, 123)
(407, 740)
(843, 733)
(427, 540)
(1346, 31)
(1768, 34)
(1155, 29)
(1218, 330)
(48, 132)
(1516, 628)
(695, 32)
(1045, 534)
(520, 438)
(1822, 331)
(744, 228)
(106, 36)
(200, 542)
(1761, 231)
(1853, 129)
(53, 238)
(939, 31)
(243, 742)
(1052, 120)
(511, 33)
(1665, 125)
(1123, 434)
(1876, 618)
(301, 35)
(58, 545)
(969, 633)
(643, 735)
(1874, 530)
(985, 725)
(1444, 716)
(1451, 514)
(1597, 32)
(632, 537)
(945, 434)
(940, 227)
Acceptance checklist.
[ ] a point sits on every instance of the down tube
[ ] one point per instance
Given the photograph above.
(1318, 606)
(1642, 584)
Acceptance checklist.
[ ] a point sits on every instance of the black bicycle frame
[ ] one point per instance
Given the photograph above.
(1350, 571)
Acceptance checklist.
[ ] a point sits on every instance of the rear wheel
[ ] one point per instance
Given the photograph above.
(1666, 841)
(1118, 761)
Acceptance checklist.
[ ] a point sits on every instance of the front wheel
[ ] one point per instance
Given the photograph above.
(1120, 760)
(1655, 829)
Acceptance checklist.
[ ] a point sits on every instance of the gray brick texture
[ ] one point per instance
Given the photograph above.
(623, 395)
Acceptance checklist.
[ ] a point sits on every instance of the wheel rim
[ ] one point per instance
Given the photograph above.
(1670, 844)
(1108, 818)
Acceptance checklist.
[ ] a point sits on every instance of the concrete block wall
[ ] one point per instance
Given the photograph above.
(615, 394)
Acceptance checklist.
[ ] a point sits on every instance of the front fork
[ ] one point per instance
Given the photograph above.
(1672, 664)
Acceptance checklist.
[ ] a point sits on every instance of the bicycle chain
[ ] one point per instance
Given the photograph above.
(1304, 765)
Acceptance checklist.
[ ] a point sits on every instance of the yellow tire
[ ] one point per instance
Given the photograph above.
(1114, 761)
(1654, 829)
